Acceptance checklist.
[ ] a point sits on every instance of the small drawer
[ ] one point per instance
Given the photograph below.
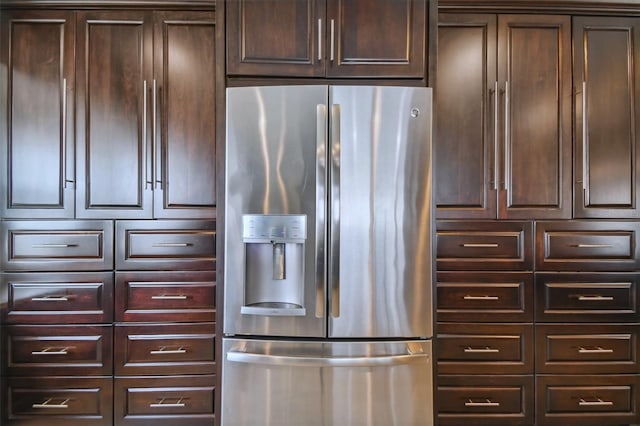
(59, 401)
(485, 296)
(53, 298)
(165, 400)
(166, 296)
(165, 349)
(580, 297)
(485, 349)
(587, 349)
(484, 245)
(165, 245)
(587, 400)
(587, 246)
(81, 245)
(485, 400)
(59, 350)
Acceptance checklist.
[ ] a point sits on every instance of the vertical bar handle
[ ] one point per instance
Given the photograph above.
(64, 134)
(585, 139)
(321, 216)
(144, 134)
(155, 171)
(334, 233)
(332, 46)
(496, 137)
(507, 149)
(319, 39)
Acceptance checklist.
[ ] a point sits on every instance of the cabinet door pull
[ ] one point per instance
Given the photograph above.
(496, 137)
(331, 48)
(486, 403)
(162, 404)
(50, 299)
(54, 245)
(155, 170)
(469, 297)
(584, 135)
(587, 246)
(480, 245)
(160, 245)
(52, 351)
(169, 297)
(144, 134)
(594, 298)
(507, 150)
(48, 404)
(64, 134)
(164, 351)
(598, 403)
(319, 39)
(485, 350)
(597, 350)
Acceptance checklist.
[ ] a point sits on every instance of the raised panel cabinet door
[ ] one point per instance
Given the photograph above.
(534, 77)
(377, 38)
(36, 132)
(466, 117)
(114, 65)
(607, 85)
(184, 115)
(276, 37)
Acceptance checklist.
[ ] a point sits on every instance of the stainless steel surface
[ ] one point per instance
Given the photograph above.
(319, 39)
(321, 208)
(332, 42)
(334, 208)
(496, 136)
(326, 383)
(585, 129)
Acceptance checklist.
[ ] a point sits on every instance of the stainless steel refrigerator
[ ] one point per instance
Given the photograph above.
(328, 257)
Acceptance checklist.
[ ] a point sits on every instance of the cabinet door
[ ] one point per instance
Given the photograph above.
(36, 136)
(466, 117)
(534, 72)
(376, 38)
(607, 78)
(184, 87)
(113, 109)
(276, 37)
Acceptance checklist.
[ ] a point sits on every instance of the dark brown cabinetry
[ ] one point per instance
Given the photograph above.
(332, 38)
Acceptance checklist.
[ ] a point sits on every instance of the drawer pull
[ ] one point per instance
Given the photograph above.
(592, 246)
(469, 297)
(486, 403)
(52, 351)
(598, 403)
(597, 350)
(169, 297)
(53, 245)
(480, 245)
(162, 245)
(164, 351)
(485, 350)
(48, 404)
(162, 404)
(50, 299)
(595, 298)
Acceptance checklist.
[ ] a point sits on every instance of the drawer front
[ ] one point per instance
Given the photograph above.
(166, 296)
(485, 400)
(165, 245)
(59, 401)
(485, 349)
(57, 246)
(165, 349)
(582, 349)
(587, 246)
(59, 350)
(587, 297)
(485, 296)
(587, 400)
(165, 401)
(484, 245)
(53, 298)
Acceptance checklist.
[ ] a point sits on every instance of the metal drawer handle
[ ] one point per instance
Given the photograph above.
(593, 298)
(162, 404)
(52, 351)
(486, 403)
(50, 299)
(164, 351)
(598, 403)
(480, 245)
(47, 404)
(172, 245)
(597, 350)
(53, 245)
(485, 350)
(592, 245)
(469, 297)
(169, 297)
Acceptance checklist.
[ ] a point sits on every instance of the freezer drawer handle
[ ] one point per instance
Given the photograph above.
(486, 403)
(164, 351)
(485, 350)
(594, 298)
(480, 245)
(469, 297)
(596, 350)
(53, 245)
(52, 351)
(50, 299)
(162, 404)
(301, 361)
(48, 404)
(169, 297)
(597, 403)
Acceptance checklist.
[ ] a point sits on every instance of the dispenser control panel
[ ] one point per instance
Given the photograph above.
(257, 227)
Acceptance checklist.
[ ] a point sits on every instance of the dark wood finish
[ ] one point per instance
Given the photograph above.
(613, 400)
(485, 400)
(484, 245)
(484, 296)
(50, 298)
(57, 246)
(587, 297)
(113, 4)
(37, 185)
(606, 58)
(137, 401)
(166, 245)
(166, 296)
(88, 400)
(587, 246)
(549, 6)
(184, 138)
(189, 349)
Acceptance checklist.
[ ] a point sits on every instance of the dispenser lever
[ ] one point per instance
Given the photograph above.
(278, 261)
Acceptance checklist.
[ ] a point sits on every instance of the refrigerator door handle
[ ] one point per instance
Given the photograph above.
(334, 231)
(307, 361)
(321, 215)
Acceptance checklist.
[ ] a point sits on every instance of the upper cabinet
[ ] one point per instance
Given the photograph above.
(607, 86)
(327, 38)
(503, 130)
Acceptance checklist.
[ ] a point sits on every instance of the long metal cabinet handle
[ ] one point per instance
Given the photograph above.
(319, 39)
(597, 350)
(321, 215)
(144, 134)
(593, 246)
(47, 404)
(486, 350)
(334, 234)
(162, 404)
(584, 135)
(487, 403)
(599, 402)
(304, 361)
(164, 351)
(169, 297)
(51, 351)
(64, 133)
(496, 137)
(155, 171)
(53, 245)
(594, 298)
(333, 32)
(469, 297)
(480, 245)
(507, 149)
(164, 245)
(50, 299)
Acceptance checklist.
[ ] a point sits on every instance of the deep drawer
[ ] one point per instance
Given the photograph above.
(81, 245)
(165, 245)
(485, 400)
(165, 400)
(166, 296)
(53, 298)
(59, 350)
(485, 349)
(59, 401)
(165, 349)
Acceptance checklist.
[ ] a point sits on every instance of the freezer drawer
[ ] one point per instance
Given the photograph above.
(289, 383)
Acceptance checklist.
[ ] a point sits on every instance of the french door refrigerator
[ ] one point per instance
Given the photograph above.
(328, 256)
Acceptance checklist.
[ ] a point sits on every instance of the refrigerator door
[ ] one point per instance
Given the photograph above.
(380, 233)
(275, 211)
(285, 383)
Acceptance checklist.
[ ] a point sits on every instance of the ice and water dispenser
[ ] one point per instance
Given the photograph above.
(274, 253)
